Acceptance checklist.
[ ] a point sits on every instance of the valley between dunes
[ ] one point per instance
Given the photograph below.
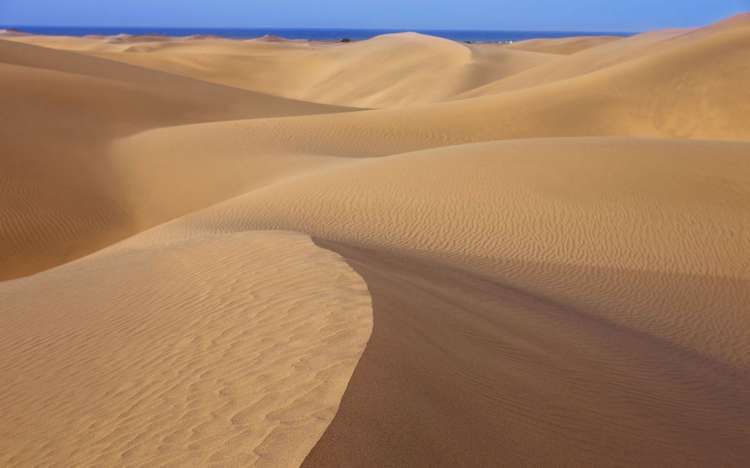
(405, 251)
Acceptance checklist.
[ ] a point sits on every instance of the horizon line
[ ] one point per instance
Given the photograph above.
(17, 26)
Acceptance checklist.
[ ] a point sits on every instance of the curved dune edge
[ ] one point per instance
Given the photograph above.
(464, 370)
(207, 350)
(495, 209)
(522, 318)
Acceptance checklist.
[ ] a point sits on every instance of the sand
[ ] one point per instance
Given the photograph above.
(564, 46)
(215, 352)
(387, 71)
(405, 251)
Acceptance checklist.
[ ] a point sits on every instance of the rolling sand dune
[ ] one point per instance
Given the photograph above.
(555, 267)
(626, 212)
(230, 350)
(637, 99)
(529, 255)
(613, 53)
(587, 61)
(564, 46)
(388, 71)
(489, 375)
(58, 190)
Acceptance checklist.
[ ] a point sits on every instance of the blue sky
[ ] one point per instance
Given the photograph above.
(592, 15)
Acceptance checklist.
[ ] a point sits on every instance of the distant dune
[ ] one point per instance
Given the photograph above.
(391, 70)
(564, 46)
(405, 251)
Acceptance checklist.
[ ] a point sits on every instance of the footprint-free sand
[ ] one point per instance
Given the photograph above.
(405, 251)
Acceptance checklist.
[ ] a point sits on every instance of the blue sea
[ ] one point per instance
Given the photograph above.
(313, 34)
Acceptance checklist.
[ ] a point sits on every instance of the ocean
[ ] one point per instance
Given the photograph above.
(313, 34)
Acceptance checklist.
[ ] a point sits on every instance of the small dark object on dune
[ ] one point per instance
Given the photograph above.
(346, 40)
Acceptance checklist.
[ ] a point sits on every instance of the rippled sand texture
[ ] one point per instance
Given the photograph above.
(405, 251)
(216, 351)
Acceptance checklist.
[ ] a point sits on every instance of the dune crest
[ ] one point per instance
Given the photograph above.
(392, 70)
(564, 46)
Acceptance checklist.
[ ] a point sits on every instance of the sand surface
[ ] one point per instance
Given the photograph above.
(405, 251)
(564, 46)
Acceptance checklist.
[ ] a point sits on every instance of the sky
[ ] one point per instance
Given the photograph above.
(557, 15)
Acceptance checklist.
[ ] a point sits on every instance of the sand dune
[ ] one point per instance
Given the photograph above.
(490, 375)
(564, 46)
(634, 99)
(58, 190)
(613, 53)
(229, 350)
(648, 189)
(219, 102)
(508, 237)
(390, 70)
(586, 61)
(529, 255)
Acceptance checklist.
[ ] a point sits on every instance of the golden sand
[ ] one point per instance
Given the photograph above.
(404, 251)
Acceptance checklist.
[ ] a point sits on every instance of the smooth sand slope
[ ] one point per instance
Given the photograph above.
(60, 112)
(488, 375)
(532, 255)
(564, 46)
(387, 71)
(612, 53)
